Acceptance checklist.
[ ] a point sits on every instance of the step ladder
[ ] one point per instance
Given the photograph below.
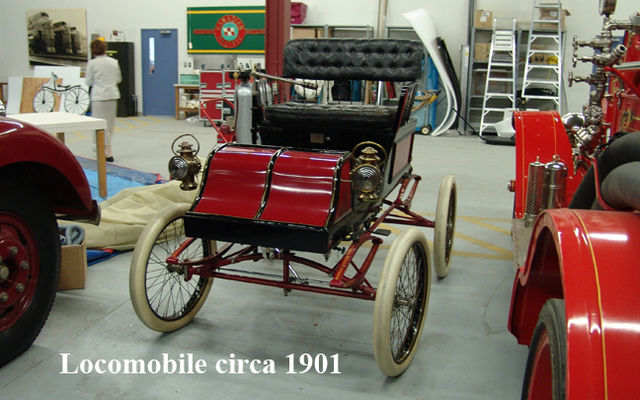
(500, 85)
(542, 79)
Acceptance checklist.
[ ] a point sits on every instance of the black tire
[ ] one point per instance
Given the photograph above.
(27, 225)
(545, 375)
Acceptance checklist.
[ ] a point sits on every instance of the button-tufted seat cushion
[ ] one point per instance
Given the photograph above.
(354, 59)
(342, 59)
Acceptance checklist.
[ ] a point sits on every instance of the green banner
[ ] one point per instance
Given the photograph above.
(225, 30)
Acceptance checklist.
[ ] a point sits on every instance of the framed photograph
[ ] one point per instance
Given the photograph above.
(57, 37)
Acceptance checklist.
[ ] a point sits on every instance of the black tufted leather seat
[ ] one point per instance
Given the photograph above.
(393, 60)
(365, 59)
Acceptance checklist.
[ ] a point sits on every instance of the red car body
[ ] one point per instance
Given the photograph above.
(588, 258)
(41, 181)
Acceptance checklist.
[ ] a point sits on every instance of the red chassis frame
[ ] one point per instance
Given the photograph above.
(356, 286)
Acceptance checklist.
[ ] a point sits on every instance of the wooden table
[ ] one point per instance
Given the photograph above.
(60, 122)
(186, 89)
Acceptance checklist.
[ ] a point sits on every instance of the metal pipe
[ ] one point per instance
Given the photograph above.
(382, 18)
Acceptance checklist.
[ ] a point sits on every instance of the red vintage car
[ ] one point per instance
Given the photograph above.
(576, 231)
(41, 181)
(319, 182)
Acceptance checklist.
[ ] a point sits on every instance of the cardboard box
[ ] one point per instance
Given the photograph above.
(483, 19)
(303, 33)
(298, 32)
(481, 51)
(552, 14)
(73, 267)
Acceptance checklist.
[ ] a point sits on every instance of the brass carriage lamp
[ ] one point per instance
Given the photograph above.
(367, 176)
(185, 165)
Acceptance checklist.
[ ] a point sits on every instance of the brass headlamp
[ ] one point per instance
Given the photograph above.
(367, 176)
(185, 164)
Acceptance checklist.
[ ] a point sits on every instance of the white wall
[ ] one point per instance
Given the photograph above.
(450, 19)
(584, 22)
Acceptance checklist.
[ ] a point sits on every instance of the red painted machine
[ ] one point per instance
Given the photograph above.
(576, 230)
(321, 181)
(40, 180)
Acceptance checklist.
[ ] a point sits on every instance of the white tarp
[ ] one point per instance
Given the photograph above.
(422, 23)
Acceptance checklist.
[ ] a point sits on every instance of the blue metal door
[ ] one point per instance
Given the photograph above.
(159, 70)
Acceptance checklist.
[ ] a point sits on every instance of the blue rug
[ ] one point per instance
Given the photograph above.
(118, 177)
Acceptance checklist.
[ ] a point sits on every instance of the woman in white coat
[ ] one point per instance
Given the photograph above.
(103, 75)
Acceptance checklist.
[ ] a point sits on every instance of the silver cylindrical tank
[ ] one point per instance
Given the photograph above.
(244, 102)
(534, 191)
(555, 175)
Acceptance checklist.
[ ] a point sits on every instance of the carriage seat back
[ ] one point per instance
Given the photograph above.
(394, 60)
(342, 125)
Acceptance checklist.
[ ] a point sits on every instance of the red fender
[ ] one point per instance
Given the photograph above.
(591, 259)
(540, 135)
(38, 156)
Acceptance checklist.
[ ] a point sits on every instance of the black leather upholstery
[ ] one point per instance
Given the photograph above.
(340, 126)
(365, 116)
(355, 59)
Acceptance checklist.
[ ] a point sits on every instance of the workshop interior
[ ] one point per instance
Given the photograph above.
(275, 199)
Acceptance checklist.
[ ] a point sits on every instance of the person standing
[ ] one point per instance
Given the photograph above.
(103, 75)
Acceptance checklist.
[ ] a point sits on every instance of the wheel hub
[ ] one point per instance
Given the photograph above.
(17, 278)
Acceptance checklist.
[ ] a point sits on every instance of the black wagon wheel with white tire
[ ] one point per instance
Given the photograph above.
(545, 375)
(29, 267)
(401, 303)
(445, 225)
(76, 101)
(43, 101)
(161, 297)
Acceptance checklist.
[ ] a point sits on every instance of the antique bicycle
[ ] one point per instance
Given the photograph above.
(76, 98)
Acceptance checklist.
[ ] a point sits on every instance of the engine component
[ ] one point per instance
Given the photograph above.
(553, 189)
(534, 192)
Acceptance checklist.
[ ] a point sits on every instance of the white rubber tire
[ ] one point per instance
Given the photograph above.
(445, 228)
(386, 300)
(138, 271)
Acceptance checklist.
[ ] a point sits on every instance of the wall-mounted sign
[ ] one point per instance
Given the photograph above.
(218, 30)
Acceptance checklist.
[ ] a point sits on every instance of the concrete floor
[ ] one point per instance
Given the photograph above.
(465, 350)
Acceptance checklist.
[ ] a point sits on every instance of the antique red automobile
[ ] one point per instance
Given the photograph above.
(576, 229)
(322, 181)
(40, 180)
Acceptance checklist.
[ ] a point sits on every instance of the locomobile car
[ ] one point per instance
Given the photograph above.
(576, 229)
(40, 180)
(323, 180)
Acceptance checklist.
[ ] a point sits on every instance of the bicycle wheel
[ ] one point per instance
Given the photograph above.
(43, 101)
(163, 300)
(76, 101)
(401, 303)
(445, 226)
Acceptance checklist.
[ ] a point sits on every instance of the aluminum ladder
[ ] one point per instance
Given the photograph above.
(542, 79)
(500, 84)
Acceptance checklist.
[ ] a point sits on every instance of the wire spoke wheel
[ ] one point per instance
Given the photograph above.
(43, 101)
(401, 302)
(445, 226)
(162, 298)
(76, 101)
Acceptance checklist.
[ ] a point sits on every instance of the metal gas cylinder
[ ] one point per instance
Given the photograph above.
(555, 175)
(535, 182)
(244, 102)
